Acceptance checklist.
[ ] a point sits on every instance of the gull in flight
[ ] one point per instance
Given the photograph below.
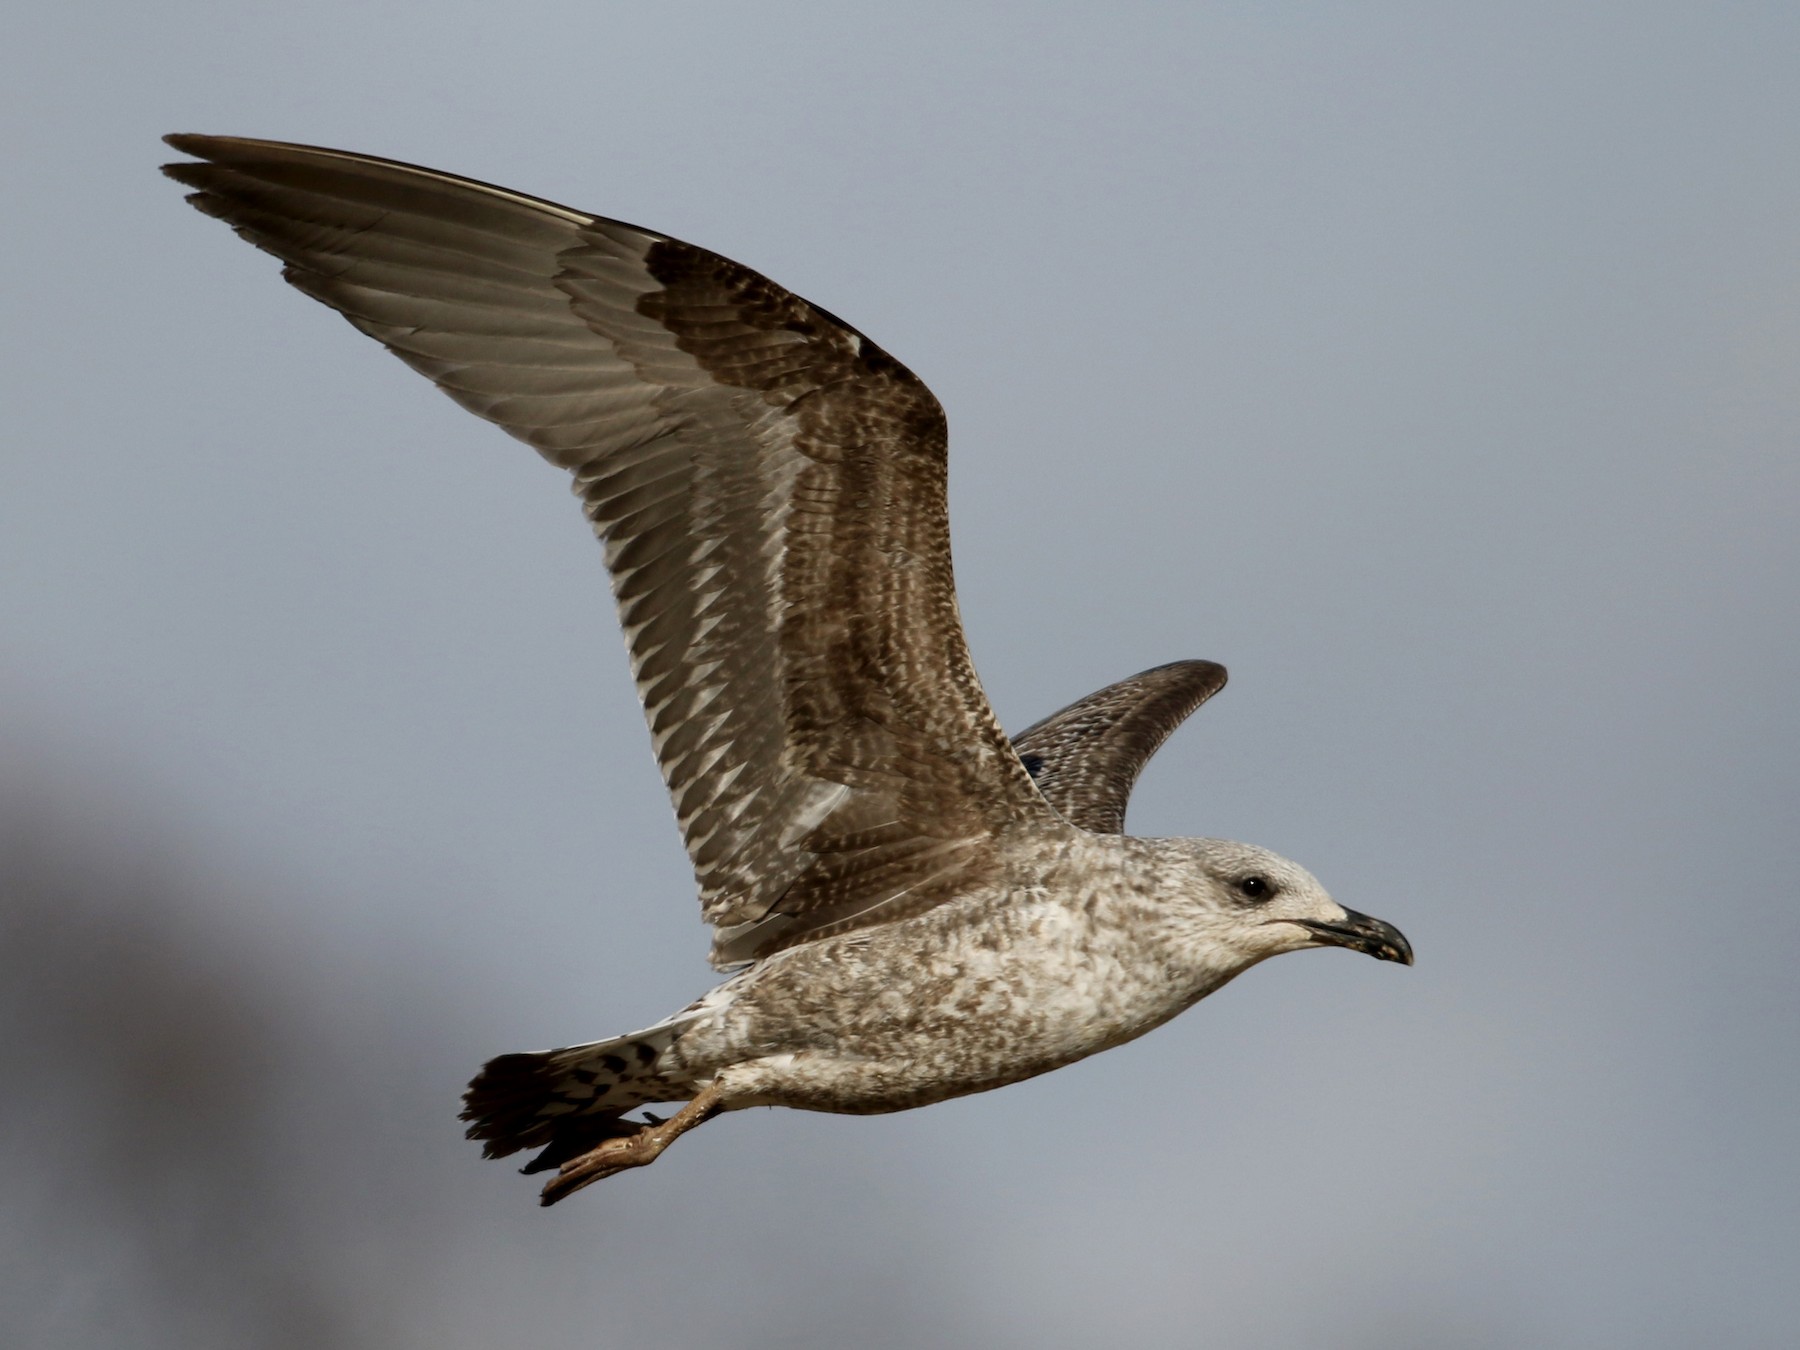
(912, 906)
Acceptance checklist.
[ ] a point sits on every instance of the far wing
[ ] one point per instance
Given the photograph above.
(769, 486)
(1086, 757)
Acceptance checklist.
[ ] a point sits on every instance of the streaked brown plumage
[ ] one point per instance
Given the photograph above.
(1087, 757)
(920, 918)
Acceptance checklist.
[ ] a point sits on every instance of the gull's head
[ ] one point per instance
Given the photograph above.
(1257, 904)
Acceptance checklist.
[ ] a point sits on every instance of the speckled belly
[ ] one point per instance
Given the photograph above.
(918, 1013)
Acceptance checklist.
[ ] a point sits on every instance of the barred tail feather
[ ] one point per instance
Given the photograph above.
(566, 1101)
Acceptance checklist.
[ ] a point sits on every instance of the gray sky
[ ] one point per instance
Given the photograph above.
(1436, 370)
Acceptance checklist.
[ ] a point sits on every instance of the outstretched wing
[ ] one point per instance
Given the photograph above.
(770, 489)
(1086, 757)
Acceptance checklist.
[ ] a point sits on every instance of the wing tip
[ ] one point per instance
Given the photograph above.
(1197, 665)
(203, 146)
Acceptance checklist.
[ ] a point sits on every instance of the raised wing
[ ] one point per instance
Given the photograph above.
(770, 489)
(1086, 757)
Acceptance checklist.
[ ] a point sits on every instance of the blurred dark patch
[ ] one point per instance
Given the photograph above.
(160, 1070)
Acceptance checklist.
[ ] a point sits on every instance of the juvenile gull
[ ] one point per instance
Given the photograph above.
(915, 907)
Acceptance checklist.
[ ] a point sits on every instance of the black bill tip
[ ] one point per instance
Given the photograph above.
(1360, 933)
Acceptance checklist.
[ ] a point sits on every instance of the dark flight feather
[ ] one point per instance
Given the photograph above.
(1087, 757)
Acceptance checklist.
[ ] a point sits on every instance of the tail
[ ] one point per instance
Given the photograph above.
(566, 1101)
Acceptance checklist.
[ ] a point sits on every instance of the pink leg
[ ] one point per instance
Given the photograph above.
(611, 1156)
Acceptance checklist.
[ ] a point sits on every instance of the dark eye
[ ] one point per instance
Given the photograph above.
(1257, 888)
